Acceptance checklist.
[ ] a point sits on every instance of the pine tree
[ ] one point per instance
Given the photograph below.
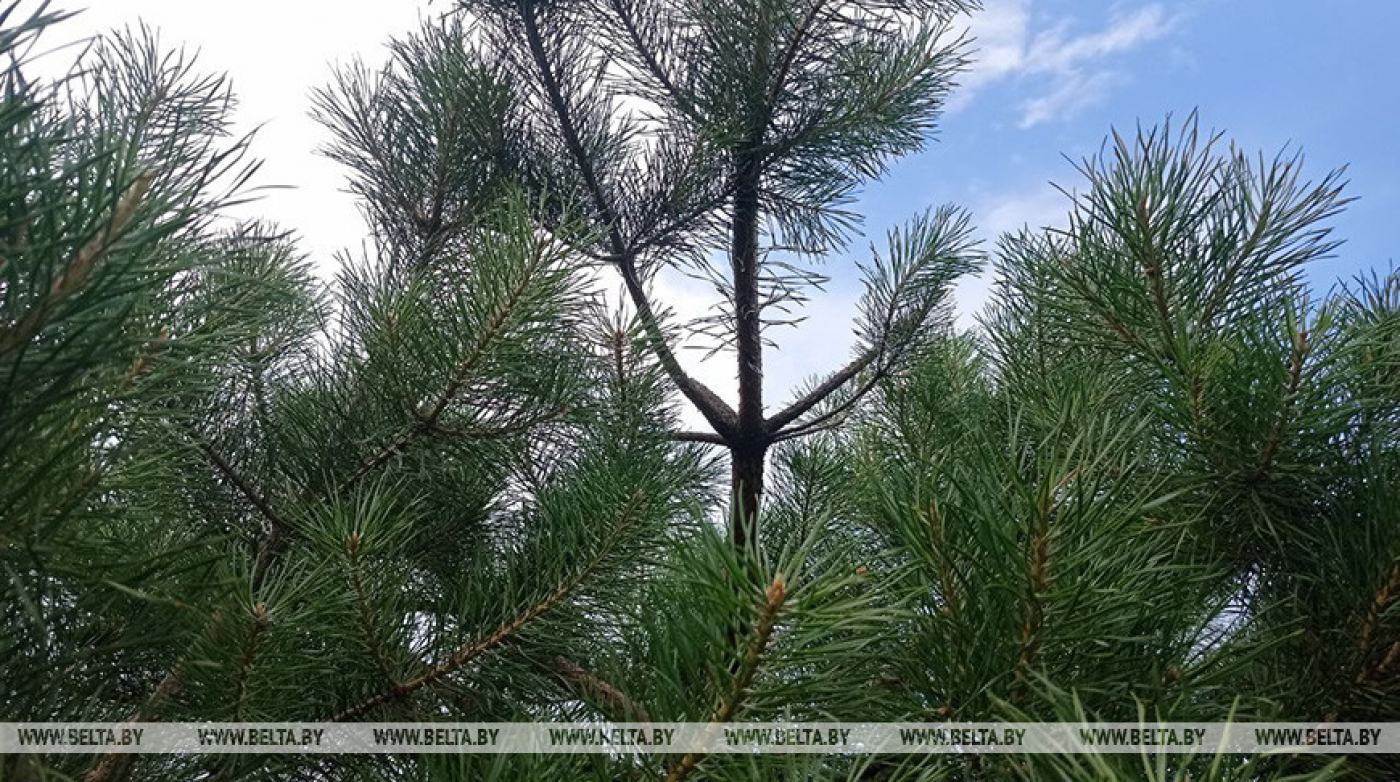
(1156, 484)
(724, 138)
(1159, 485)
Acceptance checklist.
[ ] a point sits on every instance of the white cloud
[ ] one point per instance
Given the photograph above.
(1000, 32)
(275, 53)
(1074, 92)
(1055, 51)
(1069, 71)
(1034, 207)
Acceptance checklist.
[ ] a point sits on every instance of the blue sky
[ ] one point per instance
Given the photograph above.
(1051, 78)
(1055, 76)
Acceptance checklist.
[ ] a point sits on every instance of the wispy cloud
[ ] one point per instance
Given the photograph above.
(1035, 207)
(1067, 71)
(1074, 92)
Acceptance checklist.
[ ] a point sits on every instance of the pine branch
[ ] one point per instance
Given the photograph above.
(279, 529)
(1370, 673)
(743, 679)
(245, 663)
(598, 690)
(365, 611)
(259, 390)
(683, 101)
(1039, 566)
(619, 356)
(93, 476)
(503, 633)
(1384, 599)
(1296, 356)
(79, 268)
(427, 421)
(244, 487)
(115, 766)
(745, 226)
(1155, 272)
(710, 405)
(517, 426)
(789, 55)
(947, 581)
(1221, 292)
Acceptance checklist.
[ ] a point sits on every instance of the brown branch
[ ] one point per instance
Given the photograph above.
(1039, 562)
(763, 634)
(115, 765)
(598, 690)
(76, 274)
(1080, 286)
(1296, 356)
(814, 397)
(1382, 670)
(698, 437)
(1370, 674)
(503, 633)
(1384, 598)
(714, 409)
(1122, 331)
(832, 417)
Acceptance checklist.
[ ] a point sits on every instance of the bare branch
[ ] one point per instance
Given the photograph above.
(698, 437)
(814, 397)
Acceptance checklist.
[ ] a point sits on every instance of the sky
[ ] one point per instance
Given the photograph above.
(1050, 79)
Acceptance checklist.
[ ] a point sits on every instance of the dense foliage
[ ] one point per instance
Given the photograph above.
(1158, 482)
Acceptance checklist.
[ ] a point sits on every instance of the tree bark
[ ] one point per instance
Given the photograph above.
(750, 443)
(746, 484)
